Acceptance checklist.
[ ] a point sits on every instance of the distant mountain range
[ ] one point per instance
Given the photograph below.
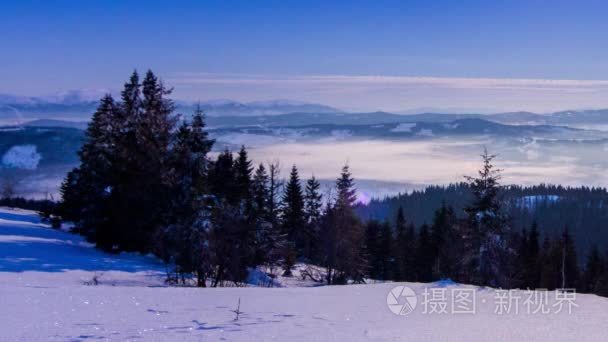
(567, 118)
(275, 107)
(402, 131)
(56, 124)
(78, 107)
(576, 119)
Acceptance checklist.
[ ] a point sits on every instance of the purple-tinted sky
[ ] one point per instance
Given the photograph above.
(361, 55)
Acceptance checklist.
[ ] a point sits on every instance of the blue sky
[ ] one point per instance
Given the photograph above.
(359, 55)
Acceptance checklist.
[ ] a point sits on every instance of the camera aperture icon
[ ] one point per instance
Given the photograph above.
(401, 300)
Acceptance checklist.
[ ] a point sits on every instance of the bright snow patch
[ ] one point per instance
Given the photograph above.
(22, 157)
(425, 133)
(404, 127)
(44, 298)
(452, 125)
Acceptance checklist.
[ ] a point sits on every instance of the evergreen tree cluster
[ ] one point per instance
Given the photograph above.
(147, 183)
(583, 209)
(480, 247)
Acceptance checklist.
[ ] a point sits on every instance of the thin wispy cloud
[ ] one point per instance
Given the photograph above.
(381, 92)
(449, 82)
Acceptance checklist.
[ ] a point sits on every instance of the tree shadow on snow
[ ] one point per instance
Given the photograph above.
(24, 247)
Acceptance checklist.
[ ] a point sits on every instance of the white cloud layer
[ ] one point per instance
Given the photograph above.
(398, 93)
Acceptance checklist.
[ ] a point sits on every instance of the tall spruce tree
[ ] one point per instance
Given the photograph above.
(86, 189)
(122, 179)
(185, 237)
(489, 253)
(313, 200)
(293, 220)
(345, 238)
(232, 233)
(141, 195)
(293, 209)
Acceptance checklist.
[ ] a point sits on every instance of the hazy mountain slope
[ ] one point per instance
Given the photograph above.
(406, 130)
(275, 107)
(56, 123)
(78, 106)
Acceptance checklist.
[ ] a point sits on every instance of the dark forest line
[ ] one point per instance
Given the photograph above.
(582, 210)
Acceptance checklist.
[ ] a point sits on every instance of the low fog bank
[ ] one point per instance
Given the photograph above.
(443, 161)
(388, 167)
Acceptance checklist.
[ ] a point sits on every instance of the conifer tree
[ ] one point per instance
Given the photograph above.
(86, 189)
(70, 207)
(404, 249)
(550, 264)
(140, 197)
(275, 185)
(377, 239)
(270, 241)
(222, 178)
(489, 253)
(259, 190)
(594, 270)
(185, 237)
(424, 255)
(345, 240)
(601, 286)
(445, 243)
(243, 170)
(372, 248)
(293, 209)
(529, 256)
(386, 244)
(313, 202)
(123, 177)
(293, 219)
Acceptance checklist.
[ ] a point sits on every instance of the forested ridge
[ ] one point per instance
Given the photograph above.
(583, 210)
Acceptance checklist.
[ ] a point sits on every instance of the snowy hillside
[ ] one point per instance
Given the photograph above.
(46, 294)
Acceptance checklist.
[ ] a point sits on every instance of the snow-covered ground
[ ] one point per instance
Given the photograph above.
(43, 297)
